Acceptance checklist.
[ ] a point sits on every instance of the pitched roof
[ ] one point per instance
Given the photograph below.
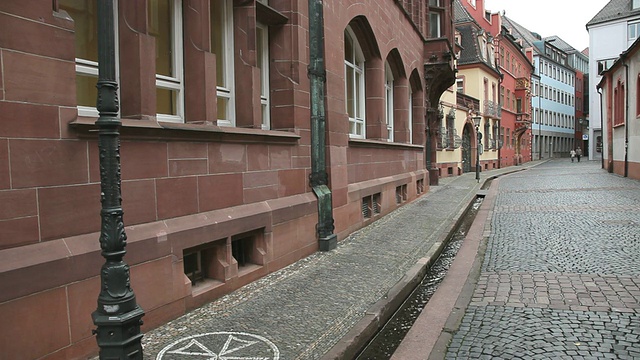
(471, 52)
(615, 9)
(461, 15)
(520, 32)
(561, 44)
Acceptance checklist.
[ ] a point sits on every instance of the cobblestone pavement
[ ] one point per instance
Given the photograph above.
(561, 272)
(303, 310)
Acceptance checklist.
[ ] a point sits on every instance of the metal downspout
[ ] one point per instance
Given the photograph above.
(599, 90)
(318, 178)
(626, 123)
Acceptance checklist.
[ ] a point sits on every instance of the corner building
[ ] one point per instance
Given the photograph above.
(216, 146)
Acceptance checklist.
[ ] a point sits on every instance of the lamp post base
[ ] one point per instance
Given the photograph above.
(119, 336)
(434, 176)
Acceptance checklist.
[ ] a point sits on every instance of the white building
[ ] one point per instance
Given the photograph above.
(620, 87)
(611, 32)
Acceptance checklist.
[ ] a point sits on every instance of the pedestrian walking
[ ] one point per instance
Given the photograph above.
(578, 153)
(573, 154)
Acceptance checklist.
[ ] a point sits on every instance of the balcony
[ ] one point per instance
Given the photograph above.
(523, 84)
(523, 122)
(492, 109)
(467, 102)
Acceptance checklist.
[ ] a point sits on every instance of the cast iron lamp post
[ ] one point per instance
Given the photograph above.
(476, 122)
(118, 316)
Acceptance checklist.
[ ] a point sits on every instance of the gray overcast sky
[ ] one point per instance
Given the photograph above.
(565, 18)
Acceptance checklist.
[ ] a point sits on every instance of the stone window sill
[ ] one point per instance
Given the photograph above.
(157, 130)
(382, 144)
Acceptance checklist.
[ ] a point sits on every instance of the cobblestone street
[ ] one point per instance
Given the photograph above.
(561, 271)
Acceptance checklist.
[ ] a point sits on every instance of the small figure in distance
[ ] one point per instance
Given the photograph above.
(573, 154)
(578, 153)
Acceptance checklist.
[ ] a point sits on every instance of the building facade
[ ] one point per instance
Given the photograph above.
(620, 88)
(553, 99)
(514, 102)
(220, 179)
(479, 78)
(611, 31)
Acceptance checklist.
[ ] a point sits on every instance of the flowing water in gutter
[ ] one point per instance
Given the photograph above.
(385, 342)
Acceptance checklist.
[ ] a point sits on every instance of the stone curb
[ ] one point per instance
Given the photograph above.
(378, 314)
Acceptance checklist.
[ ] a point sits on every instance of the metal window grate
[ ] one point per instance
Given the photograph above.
(376, 203)
(366, 207)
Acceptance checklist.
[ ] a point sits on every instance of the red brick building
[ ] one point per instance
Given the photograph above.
(215, 146)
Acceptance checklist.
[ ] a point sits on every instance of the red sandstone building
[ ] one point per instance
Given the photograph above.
(216, 147)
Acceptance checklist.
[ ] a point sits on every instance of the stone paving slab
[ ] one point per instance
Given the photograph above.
(305, 309)
(561, 274)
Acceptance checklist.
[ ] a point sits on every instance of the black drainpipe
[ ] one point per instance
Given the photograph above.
(318, 178)
(626, 123)
(601, 128)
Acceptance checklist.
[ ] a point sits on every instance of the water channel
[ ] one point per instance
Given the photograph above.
(385, 342)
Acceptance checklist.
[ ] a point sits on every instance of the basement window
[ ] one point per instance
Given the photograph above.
(420, 186)
(401, 194)
(193, 267)
(247, 250)
(371, 205)
(201, 263)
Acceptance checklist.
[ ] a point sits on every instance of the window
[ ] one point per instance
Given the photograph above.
(262, 49)
(605, 65)
(371, 206)
(633, 31)
(165, 24)
(221, 17)
(410, 119)
(618, 105)
(354, 84)
(435, 18)
(638, 96)
(85, 17)
(460, 85)
(485, 84)
(401, 194)
(388, 100)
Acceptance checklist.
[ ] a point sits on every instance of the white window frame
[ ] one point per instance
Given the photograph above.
(636, 27)
(264, 75)
(435, 15)
(410, 120)
(176, 81)
(388, 100)
(86, 67)
(460, 85)
(228, 92)
(358, 87)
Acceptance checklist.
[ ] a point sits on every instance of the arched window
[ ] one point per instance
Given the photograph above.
(354, 84)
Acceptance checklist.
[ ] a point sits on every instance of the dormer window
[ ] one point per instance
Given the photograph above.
(633, 30)
(483, 47)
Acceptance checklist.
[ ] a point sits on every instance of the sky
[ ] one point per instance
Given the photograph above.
(564, 18)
